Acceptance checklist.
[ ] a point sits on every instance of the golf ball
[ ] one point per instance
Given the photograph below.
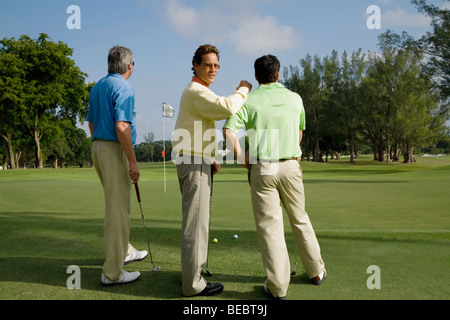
(215, 240)
(235, 236)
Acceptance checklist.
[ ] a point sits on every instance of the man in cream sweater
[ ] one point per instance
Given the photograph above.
(194, 143)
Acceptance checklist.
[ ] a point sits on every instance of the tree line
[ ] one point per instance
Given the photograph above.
(153, 151)
(380, 101)
(390, 102)
(42, 94)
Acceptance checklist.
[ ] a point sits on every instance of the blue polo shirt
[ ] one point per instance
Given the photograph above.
(110, 100)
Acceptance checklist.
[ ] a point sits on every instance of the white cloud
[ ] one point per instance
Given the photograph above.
(183, 18)
(247, 32)
(399, 17)
(259, 35)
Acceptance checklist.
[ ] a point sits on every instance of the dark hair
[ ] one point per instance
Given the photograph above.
(267, 68)
(202, 50)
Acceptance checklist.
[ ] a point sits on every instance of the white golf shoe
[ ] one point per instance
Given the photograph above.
(136, 256)
(127, 277)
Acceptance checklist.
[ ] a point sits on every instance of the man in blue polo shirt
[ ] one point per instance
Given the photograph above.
(112, 122)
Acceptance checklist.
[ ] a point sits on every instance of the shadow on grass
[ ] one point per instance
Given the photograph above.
(37, 248)
(162, 285)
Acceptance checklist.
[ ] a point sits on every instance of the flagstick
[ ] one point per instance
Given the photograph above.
(164, 155)
(169, 114)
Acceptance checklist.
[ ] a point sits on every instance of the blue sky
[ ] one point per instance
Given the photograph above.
(164, 34)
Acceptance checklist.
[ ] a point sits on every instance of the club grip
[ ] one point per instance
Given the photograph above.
(138, 194)
(212, 180)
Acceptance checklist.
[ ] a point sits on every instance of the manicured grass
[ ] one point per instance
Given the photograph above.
(393, 216)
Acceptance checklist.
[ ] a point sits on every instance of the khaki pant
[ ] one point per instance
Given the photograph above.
(271, 184)
(112, 168)
(195, 186)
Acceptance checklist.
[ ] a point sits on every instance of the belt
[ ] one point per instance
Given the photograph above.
(279, 160)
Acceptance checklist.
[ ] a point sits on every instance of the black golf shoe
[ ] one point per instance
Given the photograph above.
(211, 289)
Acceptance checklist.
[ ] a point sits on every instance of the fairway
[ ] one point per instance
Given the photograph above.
(395, 217)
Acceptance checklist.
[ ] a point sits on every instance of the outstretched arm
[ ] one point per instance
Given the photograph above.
(232, 142)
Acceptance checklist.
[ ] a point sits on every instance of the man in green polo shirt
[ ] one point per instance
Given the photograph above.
(274, 119)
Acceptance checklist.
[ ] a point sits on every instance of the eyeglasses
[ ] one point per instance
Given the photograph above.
(133, 63)
(212, 66)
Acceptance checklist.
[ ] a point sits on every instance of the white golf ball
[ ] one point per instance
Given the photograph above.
(235, 236)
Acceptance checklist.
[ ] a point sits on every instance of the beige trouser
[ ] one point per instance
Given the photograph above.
(112, 168)
(271, 183)
(195, 186)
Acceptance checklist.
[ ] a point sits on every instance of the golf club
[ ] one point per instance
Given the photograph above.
(293, 273)
(208, 273)
(138, 194)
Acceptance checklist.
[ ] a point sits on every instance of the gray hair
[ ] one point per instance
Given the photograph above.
(118, 59)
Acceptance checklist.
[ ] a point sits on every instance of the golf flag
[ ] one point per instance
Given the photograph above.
(167, 113)
(167, 110)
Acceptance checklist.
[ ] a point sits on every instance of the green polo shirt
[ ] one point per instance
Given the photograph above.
(273, 117)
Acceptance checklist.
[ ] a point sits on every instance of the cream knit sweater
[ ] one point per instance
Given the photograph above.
(195, 130)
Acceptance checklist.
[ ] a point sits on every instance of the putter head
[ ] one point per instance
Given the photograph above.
(208, 273)
(156, 269)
